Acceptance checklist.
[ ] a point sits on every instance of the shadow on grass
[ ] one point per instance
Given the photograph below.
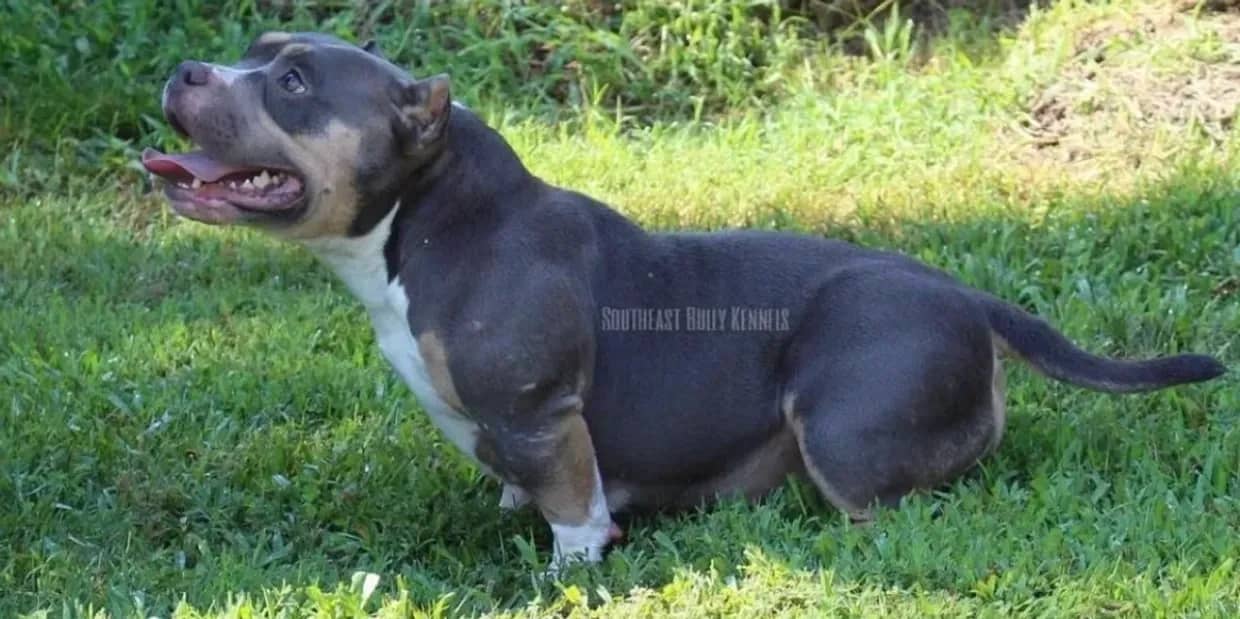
(197, 414)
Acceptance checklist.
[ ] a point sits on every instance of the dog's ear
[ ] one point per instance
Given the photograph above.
(423, 107)
(371, 47)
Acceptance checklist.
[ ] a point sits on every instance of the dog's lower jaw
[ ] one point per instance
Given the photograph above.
(583, 542)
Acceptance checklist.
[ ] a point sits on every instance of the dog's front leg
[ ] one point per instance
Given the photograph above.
(549, 456)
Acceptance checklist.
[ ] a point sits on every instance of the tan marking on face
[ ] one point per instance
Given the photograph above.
(327, 162)
(436, 359)
(565, 494)
(832, 495)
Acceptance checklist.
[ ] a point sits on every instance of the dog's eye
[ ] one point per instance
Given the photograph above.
(291, 82)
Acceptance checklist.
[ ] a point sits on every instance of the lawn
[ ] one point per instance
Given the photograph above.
(197, 423)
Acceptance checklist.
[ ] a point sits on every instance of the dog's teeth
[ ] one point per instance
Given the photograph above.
(232, 184)
(196, 184)
(262, 180)
(247, 184)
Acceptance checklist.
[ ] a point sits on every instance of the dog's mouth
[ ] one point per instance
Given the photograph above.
(207, 189)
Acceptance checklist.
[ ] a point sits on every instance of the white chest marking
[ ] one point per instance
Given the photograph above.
(359, 262)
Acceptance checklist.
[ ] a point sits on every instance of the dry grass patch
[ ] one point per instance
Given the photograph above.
(1119, 106)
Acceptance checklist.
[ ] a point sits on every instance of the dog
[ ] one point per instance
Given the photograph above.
(590, 366)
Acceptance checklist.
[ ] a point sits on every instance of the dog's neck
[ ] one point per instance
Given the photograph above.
(475, 170)
(472, 176)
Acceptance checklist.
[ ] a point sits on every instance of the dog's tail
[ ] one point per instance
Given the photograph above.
(1040, 345)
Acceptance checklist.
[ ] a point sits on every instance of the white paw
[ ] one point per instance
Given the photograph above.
(581, 544)
(584, 543)
(512, 497)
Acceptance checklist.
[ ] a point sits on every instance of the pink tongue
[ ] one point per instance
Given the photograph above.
(194, 163)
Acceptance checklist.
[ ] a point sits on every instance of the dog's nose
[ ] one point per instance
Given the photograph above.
(193, 73)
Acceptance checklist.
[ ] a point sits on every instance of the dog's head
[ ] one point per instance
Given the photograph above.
(301, 136)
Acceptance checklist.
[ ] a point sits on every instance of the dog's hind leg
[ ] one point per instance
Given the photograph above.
(879, 413)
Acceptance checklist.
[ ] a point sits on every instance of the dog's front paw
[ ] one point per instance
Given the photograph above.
(580, 544)
(512, 497)
(563, 559)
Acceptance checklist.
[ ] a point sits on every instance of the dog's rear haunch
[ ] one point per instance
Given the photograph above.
(505, 304)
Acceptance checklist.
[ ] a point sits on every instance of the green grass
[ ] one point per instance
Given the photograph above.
(196, 422)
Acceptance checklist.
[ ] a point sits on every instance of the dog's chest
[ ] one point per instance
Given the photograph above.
(391, 326)
(359, 263)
